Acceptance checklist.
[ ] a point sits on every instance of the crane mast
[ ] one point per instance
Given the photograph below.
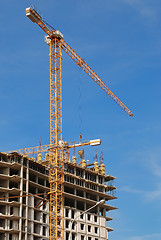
(56, 159)
(56, 154)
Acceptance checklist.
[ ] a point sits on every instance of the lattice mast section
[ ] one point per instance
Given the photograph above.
(56, 174)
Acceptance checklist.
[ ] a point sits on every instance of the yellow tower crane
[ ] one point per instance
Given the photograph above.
(56, 154)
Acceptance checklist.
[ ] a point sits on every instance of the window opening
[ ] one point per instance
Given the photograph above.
(89, 228)
(82, 226)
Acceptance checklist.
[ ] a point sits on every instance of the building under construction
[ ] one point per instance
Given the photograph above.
(25, 212)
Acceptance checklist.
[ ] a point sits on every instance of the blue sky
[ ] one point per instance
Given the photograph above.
(121, 41)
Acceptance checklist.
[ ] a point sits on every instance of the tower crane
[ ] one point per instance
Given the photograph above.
(56, 42)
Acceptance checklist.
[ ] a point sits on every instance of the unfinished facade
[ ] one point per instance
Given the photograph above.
(21, 219)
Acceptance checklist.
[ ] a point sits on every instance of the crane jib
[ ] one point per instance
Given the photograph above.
(80, 62)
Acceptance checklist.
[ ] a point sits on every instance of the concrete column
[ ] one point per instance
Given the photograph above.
(27, 199)
(21, 199)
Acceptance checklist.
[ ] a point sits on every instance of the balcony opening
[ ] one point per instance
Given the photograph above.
(80, 205)
(69, 202)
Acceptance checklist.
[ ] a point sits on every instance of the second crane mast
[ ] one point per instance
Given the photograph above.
(56, 159)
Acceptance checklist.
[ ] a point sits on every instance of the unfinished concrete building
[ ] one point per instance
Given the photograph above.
(21, 219)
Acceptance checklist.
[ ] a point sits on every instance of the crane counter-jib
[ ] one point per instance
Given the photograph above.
(33, 15)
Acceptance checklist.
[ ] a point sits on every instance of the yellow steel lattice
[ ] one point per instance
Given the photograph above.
(56, 173)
